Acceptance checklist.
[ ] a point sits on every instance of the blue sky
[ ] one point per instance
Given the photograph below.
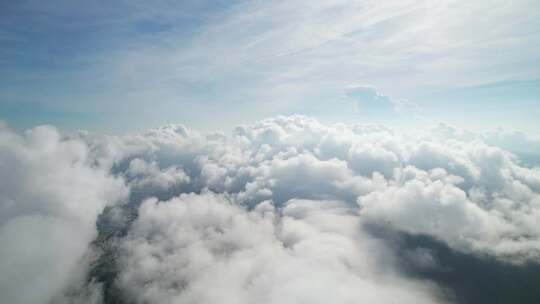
(119, 66)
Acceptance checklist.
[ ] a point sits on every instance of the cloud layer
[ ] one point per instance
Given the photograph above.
(50, 197)
(284, 210)
(206, 249)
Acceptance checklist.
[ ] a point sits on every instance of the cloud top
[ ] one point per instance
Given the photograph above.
(284, 210)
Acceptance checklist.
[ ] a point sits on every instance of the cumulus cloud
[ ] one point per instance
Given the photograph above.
(297, 157)
(50, 197)
(283, 210)
(523, 145)
(148, 176)
(371, 101)
(206, 249)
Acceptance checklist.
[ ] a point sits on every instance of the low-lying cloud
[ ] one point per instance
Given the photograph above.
(284, 210)
(50, 197)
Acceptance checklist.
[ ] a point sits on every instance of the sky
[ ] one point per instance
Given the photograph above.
(269, 152)
(122, 66)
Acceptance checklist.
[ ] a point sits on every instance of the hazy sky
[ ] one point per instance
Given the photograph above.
(411, 173)
(119, 66)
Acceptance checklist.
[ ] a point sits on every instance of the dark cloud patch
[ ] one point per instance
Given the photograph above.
(465, 277)
(476, 279)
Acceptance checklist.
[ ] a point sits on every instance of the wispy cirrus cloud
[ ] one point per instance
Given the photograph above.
(251, 58)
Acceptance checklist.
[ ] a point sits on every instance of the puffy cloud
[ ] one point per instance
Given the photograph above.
(50, 197)
(373, 102)
(493, 198)
(148, 176)
(523, 145)
(205, 248)
(436, 208)
(289, 208)
(370, 100)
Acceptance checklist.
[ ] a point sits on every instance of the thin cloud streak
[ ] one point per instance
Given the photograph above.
(255, 59)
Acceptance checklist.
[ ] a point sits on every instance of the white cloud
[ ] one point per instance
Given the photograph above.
(274, 201)
(371, 101)
(205, 248)
(145, 175)
(50, 197)
(525, 146)
(491, 195)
